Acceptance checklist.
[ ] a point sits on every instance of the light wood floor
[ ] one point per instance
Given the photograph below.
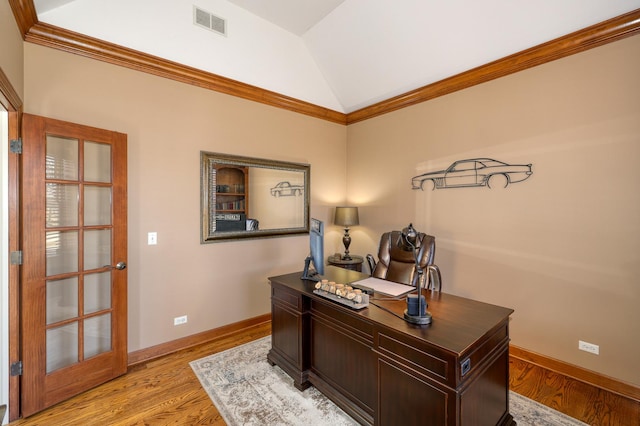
(164, 391)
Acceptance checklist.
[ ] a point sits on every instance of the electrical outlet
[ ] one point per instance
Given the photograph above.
(152, 238)
(180, 320)
(589, 347)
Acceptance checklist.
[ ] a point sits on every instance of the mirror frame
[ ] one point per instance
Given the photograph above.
(207, 162)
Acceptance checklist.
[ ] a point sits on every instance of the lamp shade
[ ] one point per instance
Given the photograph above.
(346, 216)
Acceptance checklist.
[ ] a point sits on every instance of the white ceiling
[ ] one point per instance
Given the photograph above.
(296, 16)
(340, 54)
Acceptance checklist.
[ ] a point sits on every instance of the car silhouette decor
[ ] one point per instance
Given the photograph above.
(286, 189)
(473, 172)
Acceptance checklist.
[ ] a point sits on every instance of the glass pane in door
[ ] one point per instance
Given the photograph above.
(97, 248)
(61, 205)
(62, 346)
(62, 158)
(62, 299)
(97, 205)
(61, 252)
(97, 335)
(97, 292)
(97, 162)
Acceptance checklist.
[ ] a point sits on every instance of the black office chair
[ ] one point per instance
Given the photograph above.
(396, 260)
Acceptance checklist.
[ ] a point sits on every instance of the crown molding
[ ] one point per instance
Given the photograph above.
(24, 12)
(605, 32)
(68, 41)
(71, 42)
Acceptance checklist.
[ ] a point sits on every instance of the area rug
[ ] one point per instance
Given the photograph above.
(248, 391)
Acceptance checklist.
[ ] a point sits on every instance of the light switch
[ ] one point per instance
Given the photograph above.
(152, 238)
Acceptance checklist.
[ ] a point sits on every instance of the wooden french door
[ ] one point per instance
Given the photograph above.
(74, 282)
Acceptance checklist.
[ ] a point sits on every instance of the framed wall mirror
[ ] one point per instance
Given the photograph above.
(244, 197)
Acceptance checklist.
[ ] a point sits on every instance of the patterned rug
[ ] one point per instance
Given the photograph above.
(248, 391)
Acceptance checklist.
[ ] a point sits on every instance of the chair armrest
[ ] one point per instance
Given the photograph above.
(434, 279)
(371, 262)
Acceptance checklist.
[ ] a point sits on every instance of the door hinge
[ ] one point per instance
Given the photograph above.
(16, 368)
(16, 257)
(16, 146)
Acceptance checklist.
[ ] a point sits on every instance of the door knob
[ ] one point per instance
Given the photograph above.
(121, 265)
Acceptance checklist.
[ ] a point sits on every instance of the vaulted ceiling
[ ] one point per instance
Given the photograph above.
(343, 56)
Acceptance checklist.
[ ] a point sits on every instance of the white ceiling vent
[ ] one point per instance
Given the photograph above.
(208, 20)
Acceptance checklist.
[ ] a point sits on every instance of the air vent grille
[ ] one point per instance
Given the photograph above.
(208, 20)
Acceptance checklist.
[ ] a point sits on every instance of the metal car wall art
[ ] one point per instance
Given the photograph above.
(286, 189)
(473, 172)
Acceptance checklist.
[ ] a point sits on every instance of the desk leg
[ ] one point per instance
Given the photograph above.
(289, 339)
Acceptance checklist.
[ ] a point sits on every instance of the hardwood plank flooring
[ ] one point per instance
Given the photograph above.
(163, 391)
(585, 402)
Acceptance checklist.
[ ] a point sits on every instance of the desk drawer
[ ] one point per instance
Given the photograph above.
(287, 297)
(346, 319)
(426, 361)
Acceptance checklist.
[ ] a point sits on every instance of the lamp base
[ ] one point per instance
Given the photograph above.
(346, 240)
(418, 319)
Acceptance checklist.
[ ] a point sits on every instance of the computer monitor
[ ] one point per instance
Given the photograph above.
(316, 252)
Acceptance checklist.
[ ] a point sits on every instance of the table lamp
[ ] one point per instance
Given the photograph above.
(346, 216)
(416, 312)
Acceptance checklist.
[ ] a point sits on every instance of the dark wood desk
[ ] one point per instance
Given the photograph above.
(384, 371)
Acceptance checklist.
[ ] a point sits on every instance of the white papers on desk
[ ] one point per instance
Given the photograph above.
(385, 287)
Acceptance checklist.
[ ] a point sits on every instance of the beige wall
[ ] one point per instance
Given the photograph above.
(11, 48)
(562, 248)
(167, 124)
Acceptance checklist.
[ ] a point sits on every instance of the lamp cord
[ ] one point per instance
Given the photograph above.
(386, 309)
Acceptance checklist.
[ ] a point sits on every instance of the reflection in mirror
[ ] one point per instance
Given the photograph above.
(244, 197)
